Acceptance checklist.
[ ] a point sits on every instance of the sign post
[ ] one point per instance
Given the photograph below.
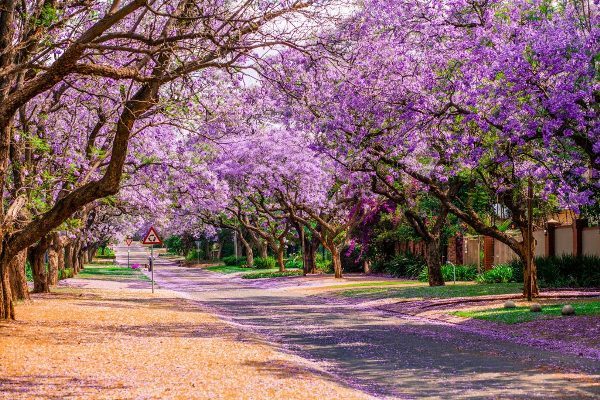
(198, 250)
(151, 238)
(128, 241)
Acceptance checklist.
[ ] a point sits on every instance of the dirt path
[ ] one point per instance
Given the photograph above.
(387, 355)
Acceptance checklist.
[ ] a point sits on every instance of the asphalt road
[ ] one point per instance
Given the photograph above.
(387, 356)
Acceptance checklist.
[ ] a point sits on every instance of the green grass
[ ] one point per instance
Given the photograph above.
(448, 291)
(522, 314)
(110, 272)
(271, 274)
(374, 284)
(228, 269)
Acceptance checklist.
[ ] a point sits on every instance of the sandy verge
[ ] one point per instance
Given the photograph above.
(125, 344)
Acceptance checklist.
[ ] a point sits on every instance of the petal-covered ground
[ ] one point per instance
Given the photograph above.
(128, 344)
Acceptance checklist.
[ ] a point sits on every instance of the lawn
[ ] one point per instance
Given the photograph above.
(253, 273)
(522, 314)
(228, 269)
(110, 272)
(268, 273)
(447, 291)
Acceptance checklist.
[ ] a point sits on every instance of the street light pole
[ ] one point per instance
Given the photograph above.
(198, 251)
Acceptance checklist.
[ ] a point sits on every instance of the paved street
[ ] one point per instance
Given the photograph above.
(384, 355)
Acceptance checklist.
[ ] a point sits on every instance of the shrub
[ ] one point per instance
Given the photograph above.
(265, 263)
(406, 265)
(192, 256)
(501, 273)
(295, 261)
(325, 266)
(464, 273)
(28, 271)
(564, 271)
(234, 261)
(108, 253)
(65, 273)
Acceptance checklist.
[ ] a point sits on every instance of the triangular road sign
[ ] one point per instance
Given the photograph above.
(151, 237)
(128, 241)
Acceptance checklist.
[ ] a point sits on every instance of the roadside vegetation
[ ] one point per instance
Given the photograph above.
(523, 314)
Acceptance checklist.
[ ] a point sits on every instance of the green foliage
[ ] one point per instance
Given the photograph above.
(501, 273)
(28, 271)
(295, 261)
(228, 269)
(563, 271)
(233, 260)
(65, 273)
(265, 263)
(447, 291)
(273, 274)
(523, 314)
(192, 255)
(464, 273)
(110, 272)
(108, 253)
(174, 244)
(406, 265)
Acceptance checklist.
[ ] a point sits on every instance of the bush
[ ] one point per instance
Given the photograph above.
(564, 271)
(464, 273)
(325, 266)
(192, 256)
(501, 273)
(108, 253)
(265, 263)
(234, 261)
(406, 265)
(295, 261)
(28, 271)
(65, 273)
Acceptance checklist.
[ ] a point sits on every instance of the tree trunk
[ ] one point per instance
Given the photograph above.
(38, 266)
(17, 277)
(7, 307)
(68, 255)
(433, 258)
(336, 258)
(248, 250)
(310, 255)
(53, 251)
(280, 255)
(530, 286)
(263, 249)
(367, 267)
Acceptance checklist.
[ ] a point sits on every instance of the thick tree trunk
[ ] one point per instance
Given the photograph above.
(336, 258)
(433, 258)
(52, 266)
(248, 250)
(530, 285)
(7, 307)
(310, 255)
(280, 256)
(68, 255)
(17, 277)
(263, 249)
(38, 266)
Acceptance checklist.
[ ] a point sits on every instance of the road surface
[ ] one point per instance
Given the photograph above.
(384, 355)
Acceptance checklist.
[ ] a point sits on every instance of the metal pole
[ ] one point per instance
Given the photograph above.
(127, 257)
(152, 264)
(302, 249)
(198, 250)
